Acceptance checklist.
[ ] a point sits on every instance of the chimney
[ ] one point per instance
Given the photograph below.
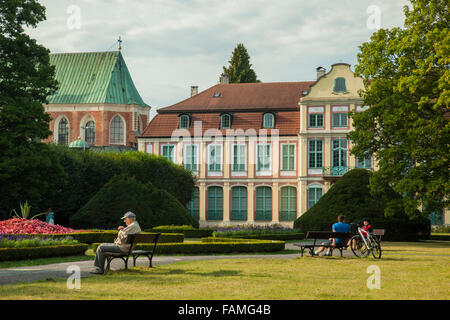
(224, 79)
(194, 91)
(320, 72)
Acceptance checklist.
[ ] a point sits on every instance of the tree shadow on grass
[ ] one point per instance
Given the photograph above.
(163, 272)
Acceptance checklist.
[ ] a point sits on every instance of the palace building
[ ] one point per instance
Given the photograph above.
(262, 153)
(96, 100)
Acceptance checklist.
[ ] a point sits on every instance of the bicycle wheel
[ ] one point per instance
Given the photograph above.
(359, 247)
(376, 250)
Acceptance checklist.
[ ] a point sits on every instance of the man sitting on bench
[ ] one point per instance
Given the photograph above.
(120, 244)
(340, 226)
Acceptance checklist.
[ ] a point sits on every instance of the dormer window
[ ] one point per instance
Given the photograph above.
(269, 121)
(217, 95)
(225, 121)
(340, 85)
(184, 121)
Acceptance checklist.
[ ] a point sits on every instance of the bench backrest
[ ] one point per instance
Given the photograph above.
(327, 235)
(147, 238)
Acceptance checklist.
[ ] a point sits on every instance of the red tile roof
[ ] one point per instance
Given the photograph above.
(245, 102)
(245, 96)
(166, 125)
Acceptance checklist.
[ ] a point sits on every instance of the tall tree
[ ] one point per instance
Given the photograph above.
(26, 79)
(407, 86)
(240, 69)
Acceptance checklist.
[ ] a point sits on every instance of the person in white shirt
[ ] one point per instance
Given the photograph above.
(119, 245)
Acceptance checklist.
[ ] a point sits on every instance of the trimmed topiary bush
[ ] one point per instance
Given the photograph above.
(351, 197)
(11, 254)
(188, 231)
(152, 206)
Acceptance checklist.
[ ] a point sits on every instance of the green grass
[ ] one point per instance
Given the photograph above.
(408, 271)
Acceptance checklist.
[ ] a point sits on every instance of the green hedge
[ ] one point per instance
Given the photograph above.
(440, 236)
(188, 231)
(235, 246)
(12, 254)
(281, 237)
(107, 236)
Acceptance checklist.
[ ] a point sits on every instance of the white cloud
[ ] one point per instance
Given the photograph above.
(170, 45)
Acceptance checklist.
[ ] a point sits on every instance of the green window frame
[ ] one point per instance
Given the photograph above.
(339, 152)
(340, 120)
(263, 157)
(340, 85)
(315, 154)
(191, 157)
(288, 205)
(194, 205)
(239, 157)
(288, 157)
(184, 122)
(314, 195)
(316, 120)
(366, 162)
(215, 204)
(263, 205)
(215, 158)
(238, 204)
(63, 132)
(168, 152)
(225, 121)
(269, 121)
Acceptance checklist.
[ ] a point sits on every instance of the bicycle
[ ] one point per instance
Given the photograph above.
(364, 243)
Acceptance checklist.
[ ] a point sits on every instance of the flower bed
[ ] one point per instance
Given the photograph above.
(23, 226)
(21, 241)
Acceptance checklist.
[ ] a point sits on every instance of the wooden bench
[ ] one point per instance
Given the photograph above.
(320, 239)
(133, 240)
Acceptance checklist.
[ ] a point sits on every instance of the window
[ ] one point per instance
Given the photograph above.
(117, 131)
(339, 157)
(238, 204)
(366, 163)
(184, 122)
(339, 85)
(288, 210)
(315, 154)
(191, 157)
(168, 152)
(340, 120)
(269, 121)
(215, 203)
(149, 148)
(263, 154)
(63, 132)
(90, 132)
(194, 205)
(316, 120)
(215, 158)
(225, 121)
(288, 157)
(263, 208)
(314, 195)
(239, 157)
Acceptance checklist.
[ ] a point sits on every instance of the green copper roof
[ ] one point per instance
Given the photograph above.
(97, 77)
(79, 144)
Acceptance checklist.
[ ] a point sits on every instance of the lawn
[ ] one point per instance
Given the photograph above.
(408, 271)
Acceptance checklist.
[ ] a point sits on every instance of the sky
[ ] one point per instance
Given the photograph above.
(171, 45)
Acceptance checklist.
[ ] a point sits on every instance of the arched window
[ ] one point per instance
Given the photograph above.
(263, 209)
(238, 204)
(90, 132)
(225, 121)
(269, 121)
(63, 132)
(140, 124)
(117, 131)
(339, 85)
(215, 203)
(288, 210)
(184, 121)
(194, 205)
